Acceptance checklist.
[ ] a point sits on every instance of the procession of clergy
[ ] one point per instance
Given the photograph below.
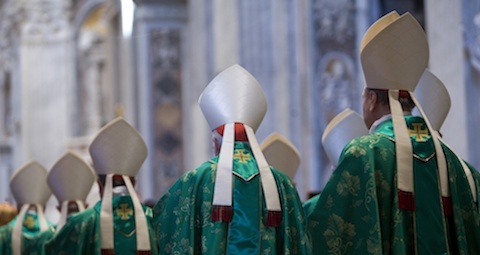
(397, 187)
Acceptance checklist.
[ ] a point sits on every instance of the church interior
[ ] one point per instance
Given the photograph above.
(69, 67)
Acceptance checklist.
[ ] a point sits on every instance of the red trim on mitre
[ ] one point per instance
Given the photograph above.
(274, 218)
(119, 178)
(401, 93)
(240, 134)
(108, 252)
(222, 213)
(406, 200)
(447, 206)
(144, 252)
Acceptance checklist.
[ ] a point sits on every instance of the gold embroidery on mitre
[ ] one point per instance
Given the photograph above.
(242, 158)
(420, 134)
(124, 211)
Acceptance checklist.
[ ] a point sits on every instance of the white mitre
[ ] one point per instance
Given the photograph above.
(235, 96)
(435, 100)
(70, 179)
(28, 184)
(394, 54)
(281, 154)
(29, 187)
(342, 129)
(433, 96)
(118, 149)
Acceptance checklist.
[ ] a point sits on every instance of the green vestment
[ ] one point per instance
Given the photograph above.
(81, 232)
(36, 245)
(183, 223)
(358, 213)
(30, 229)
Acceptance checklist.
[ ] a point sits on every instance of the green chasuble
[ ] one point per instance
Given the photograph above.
(358, 212)
(183, 223)
(30, 229)
(81, 232)
(36, 245)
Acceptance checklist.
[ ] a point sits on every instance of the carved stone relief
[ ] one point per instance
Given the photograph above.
(11, 16)
(46, 21)
(166, 101)
(334, 83)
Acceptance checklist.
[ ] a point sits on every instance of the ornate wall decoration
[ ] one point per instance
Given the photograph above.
(11, 16)
(46, 20)
(334, 78)
(166, 98)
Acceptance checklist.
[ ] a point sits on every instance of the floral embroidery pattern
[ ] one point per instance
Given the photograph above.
(356, 151)
(348, 184)
(339, 235)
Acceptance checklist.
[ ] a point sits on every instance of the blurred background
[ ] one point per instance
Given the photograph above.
(67, 67)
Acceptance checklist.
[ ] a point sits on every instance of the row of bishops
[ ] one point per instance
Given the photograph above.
(396, 188)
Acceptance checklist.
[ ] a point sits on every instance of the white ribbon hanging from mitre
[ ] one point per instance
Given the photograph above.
(435, 100)
(70, 180)
(233, 96)
(64, 212)
(394, 55)
(269, 185)
(222, 195)
(119, 150)
(17, 233)
(29, 188)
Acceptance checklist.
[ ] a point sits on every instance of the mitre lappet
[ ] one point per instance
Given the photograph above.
(234, 105)
(29, 188)
(70, 179)
(118, 151)
(394, 54)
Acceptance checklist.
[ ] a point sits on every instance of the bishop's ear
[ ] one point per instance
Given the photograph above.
(371, 99)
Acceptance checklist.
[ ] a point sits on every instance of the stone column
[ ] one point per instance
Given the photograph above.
(10, 142)
(445, 35)
(334, 84)
(160, 39)
(45, 70)
(225, 29)
(45, 75)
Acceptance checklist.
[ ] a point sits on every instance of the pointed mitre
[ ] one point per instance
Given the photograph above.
(71, 178)
(235, 96)
(394, 56)
(281, 154)
(434, 98)
(118, 149)
(342, 129)
(394, 53)
(29, 184)
(232, 96)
